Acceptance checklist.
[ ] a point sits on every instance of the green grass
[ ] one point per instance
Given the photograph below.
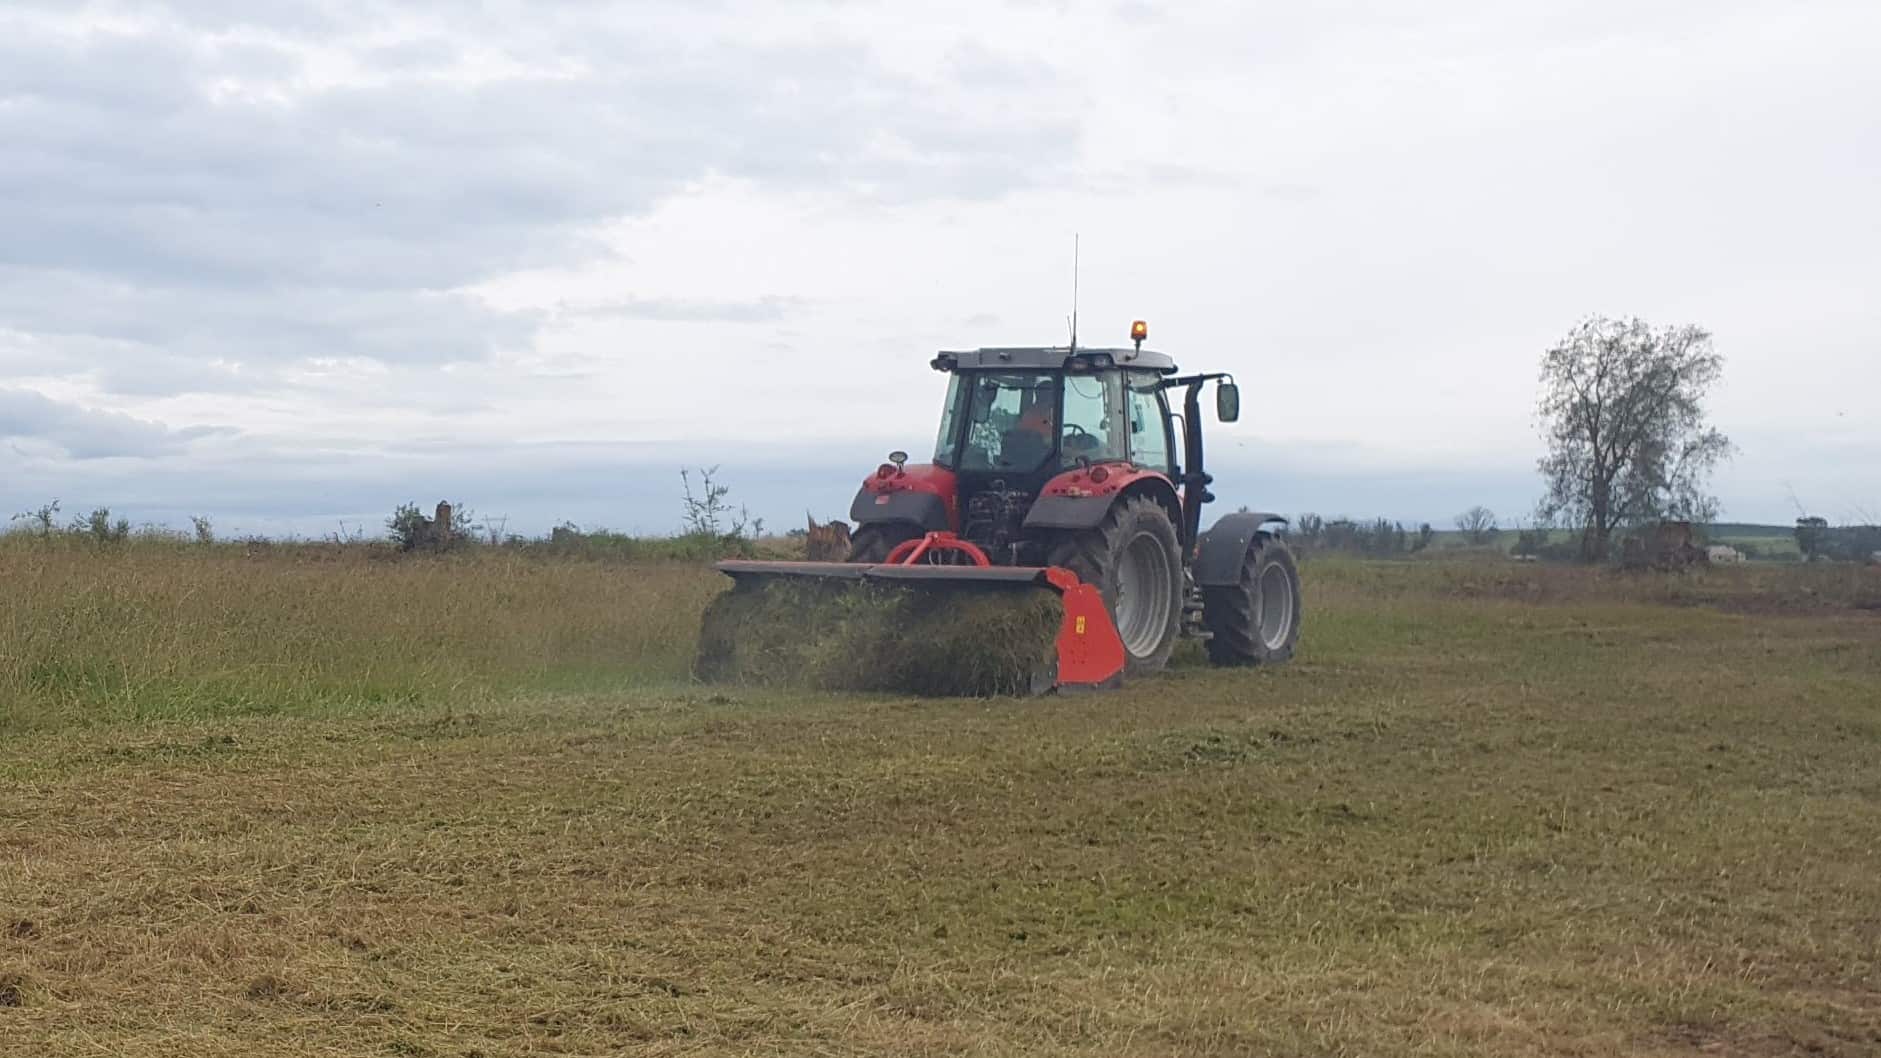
(1752, 531)
(1760, 547)
(1489, 810)
(149, 630)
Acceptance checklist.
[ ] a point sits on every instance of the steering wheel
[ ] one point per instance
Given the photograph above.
(1078, 440)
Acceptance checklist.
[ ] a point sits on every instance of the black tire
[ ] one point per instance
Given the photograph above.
(1100, 556)
(872, 543)
(1257, 621)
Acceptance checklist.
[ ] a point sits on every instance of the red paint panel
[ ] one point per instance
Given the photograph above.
(920, 477)
(1117, 477)
(1090, 652)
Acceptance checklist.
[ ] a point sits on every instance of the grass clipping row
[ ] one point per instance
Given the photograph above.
(958, 641)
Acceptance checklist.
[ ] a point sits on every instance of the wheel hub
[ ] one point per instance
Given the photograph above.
(1143, 597)
(1276, 599)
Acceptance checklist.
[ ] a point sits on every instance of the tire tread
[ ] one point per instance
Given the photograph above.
(1229, 612)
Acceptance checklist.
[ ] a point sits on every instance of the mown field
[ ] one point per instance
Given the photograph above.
(308, 802)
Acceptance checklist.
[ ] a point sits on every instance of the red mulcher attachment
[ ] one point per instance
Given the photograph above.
(1090, 652)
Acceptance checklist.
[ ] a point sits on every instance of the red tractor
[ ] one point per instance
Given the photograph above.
(1071, 469)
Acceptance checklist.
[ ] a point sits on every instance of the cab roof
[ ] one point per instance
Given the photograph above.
(1052, 359)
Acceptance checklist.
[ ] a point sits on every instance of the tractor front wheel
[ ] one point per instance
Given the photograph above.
(1257, 620)
(872, 543)
(1134, 559)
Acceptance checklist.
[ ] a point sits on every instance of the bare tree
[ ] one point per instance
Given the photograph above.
(1477, 523)
(1622, 410)
(40, 522)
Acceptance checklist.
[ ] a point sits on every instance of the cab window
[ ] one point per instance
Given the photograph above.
(947, 445)
(1149, 427)
(1094, 418)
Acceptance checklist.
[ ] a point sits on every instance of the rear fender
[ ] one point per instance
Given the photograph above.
(923, 495)
(1225, 545)
(1073, 500)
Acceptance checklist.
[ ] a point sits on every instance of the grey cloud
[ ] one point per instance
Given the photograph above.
(115, 327)
(152, 373)
(296, 222)
(148, 74)
(85, 433)
(429, 53)
(281, 16)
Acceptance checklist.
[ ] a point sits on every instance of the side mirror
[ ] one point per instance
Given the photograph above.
(1227, 402)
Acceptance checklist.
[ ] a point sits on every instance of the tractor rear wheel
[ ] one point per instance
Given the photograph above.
(872, 543)
(1256, 621)
(1134, 559)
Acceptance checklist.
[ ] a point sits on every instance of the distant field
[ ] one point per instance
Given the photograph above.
(1760, 548)
(313, 804)
(1749, 531)
(1758, 542)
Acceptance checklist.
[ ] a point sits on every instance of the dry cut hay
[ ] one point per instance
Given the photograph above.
(957, 641)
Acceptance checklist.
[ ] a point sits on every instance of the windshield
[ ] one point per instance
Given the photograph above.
(1010, 420)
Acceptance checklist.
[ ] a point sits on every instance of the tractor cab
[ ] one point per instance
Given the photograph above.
(1033, 441)
(1046, 410)
(1017, 422)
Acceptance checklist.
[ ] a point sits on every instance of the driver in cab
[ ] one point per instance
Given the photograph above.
(1029, 441)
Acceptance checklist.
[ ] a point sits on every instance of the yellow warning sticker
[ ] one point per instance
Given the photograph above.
(1080, 626)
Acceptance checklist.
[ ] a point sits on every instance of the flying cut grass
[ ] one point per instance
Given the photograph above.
(844, 635)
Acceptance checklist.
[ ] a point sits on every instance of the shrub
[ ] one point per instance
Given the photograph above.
(100, 528)
(406, 526)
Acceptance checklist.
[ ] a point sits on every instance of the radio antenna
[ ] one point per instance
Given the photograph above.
(1074, 292)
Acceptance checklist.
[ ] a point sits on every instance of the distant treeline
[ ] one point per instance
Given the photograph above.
(1816, 540)
(1380, 536)
(1819, 541)
(711, 527)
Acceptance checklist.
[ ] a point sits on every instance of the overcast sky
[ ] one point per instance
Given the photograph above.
(289, 263)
